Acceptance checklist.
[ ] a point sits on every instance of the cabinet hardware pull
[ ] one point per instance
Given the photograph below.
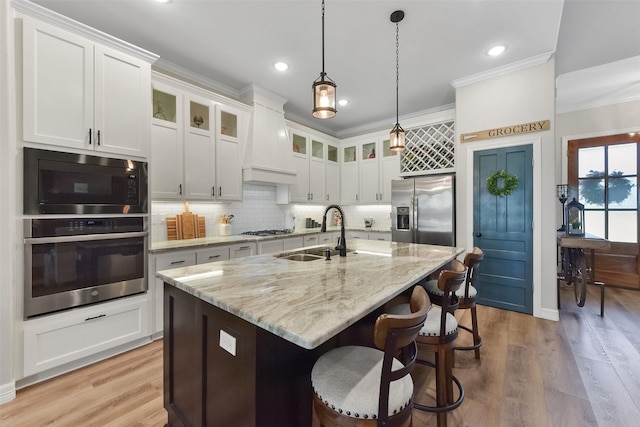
(98, 138)
(244, 247)
(214, 256)
(327, 197)
(213, 191)
(180, 189)
(90, 136)
(177, 262)
(95, 317)
(220, 191)
(311, 196)
(356, 197)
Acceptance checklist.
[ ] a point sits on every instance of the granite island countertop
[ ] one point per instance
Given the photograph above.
(309, 302)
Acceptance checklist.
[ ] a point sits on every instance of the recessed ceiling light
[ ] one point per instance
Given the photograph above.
(163, 1)
(281, 66)
(496, 50)
(343, 102)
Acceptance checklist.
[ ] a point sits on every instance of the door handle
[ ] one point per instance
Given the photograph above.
(89, 136)
(478, 234)
(98, 137)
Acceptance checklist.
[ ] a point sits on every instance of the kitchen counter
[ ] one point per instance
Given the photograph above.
(241, 335)
(168, 245)
(306, 303)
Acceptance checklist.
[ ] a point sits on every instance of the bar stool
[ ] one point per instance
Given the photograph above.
(466, 297)
(357, 386)
(438, 335)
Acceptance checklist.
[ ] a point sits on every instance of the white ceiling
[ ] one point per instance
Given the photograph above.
(233, 43)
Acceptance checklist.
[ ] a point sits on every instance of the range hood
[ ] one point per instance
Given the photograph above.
(268, 157)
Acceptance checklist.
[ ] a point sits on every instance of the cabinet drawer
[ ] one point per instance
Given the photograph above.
(380, 236)
(175, 260)
(240, 250)
(311, 240)
(212, 255)
(57, 339)
(293, 243)
(270, 246)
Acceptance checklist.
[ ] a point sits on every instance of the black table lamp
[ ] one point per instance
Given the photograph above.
(562, 191)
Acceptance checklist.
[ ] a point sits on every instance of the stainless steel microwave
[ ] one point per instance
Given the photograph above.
(67, 183)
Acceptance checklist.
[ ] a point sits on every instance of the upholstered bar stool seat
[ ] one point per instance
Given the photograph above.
(355, 386)
(347, 380)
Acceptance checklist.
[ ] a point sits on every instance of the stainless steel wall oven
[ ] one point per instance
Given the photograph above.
(70, 262)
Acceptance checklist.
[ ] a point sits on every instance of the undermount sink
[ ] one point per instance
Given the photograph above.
(310, 254)
(301, 257)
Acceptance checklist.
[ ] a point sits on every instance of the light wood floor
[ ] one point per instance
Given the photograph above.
(581, 371)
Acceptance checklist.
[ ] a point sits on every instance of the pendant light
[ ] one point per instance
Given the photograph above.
(324, 89)
(397, 133)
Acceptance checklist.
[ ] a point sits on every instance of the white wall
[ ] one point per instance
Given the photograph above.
(593, 122)
(8, 203)
(518, 97)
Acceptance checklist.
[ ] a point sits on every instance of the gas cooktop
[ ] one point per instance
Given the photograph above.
(267, 232)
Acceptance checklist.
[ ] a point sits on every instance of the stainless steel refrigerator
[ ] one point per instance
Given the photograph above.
(423, 210)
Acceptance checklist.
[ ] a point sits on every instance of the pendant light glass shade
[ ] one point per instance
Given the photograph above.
(324, 89)
(324, 98)
(396, 135)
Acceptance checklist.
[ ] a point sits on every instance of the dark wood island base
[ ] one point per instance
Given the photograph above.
(267, 382)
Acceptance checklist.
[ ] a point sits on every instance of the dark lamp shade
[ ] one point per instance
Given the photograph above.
(396, 136)
(574, 214)
(324, 99)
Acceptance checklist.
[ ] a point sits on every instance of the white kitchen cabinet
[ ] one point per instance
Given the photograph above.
(309, 156)
(378, 166)
(57, 339)
(214, 254)
(240, 250)
(83, 95)
(231, 125)
(167, 150)
(332, 175)
(329, 238)
(311, 240)
(279, 245)
(349, 176)
(196, 145)
(270, 246)
(165, 261)
(367, 169)
(352, 234)
(380, 235)
(199, 149)
(293, 243)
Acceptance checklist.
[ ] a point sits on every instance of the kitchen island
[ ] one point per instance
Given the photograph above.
(242, 335)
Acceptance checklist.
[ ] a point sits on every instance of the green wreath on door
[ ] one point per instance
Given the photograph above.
(508, 183)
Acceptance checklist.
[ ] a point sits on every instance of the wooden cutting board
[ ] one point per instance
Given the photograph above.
(186, 226)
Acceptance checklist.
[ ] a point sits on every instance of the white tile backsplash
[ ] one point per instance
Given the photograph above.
(259, 211)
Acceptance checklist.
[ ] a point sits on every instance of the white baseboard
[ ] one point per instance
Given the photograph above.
(549, 314)
(7, 392)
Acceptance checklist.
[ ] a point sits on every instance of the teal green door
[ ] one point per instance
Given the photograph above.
(503, 229)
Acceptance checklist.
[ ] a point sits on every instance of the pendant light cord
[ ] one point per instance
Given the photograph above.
(397, 71)
(323, 74)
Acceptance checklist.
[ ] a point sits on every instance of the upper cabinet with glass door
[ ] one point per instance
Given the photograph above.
(332, 175)
(378, 167)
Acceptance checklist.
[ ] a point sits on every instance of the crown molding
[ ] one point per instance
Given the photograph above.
(198, 79)
(504, 70)
(36, 11)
